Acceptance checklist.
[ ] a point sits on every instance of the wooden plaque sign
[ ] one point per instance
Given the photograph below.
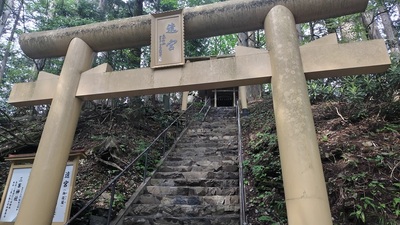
(16, 186)
(167, 45)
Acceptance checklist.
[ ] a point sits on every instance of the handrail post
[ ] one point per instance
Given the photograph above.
(165, 140)
(145, 166)
(242, 196)
(111, 202)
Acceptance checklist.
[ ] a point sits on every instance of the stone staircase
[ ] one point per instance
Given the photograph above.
(198, 182)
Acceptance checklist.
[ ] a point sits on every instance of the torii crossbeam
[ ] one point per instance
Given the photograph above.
(321, 59)
(285, 64)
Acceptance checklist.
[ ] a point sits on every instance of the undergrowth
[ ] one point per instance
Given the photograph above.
(359, 145)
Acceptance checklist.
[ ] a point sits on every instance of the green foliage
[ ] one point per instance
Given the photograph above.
(377, 202)
(196, 47)
(16, 72)
(320, 90)
(359, 91)
(262, 165)
(222, 45)
(119, 200)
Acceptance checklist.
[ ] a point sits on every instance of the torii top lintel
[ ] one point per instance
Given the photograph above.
(202, 21)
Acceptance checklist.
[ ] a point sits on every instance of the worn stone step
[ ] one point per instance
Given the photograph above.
(214, 128)
(196, 144)
(205, 150)
(195, 182)
(206, 127)
(203, 155)
(188, 200)
(196, 168)
(230, 118)
(162, 220)
(190, 191)
(212, 158)
(202, 149)
(231, 121)
(179, 210)
(200, 162)
(223, 130)
(211, 136)
(207, 144)
(196, 175)
(200, 153)
(210, 140)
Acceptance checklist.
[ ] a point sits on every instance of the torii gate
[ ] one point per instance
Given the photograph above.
(286, 65)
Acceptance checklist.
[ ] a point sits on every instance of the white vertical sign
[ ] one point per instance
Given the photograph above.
(61, 208)
(16, 190)
(15, 193)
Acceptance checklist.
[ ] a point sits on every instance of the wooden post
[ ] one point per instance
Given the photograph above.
(234, 97)
(215, 97)
(40, 199)
(243, 100)
(185, 95)
(303, 178)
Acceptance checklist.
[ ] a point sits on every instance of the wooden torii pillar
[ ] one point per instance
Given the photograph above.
(286, 64)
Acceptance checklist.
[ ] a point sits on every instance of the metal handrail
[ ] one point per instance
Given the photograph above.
(242, 195)
(206, 103)
(112, 183)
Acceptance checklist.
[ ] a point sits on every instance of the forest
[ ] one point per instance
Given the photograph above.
(357, 117)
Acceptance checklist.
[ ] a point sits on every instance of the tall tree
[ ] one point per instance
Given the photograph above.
(5, 12)
(248, 39)
(391, 34)
(10, 43)
(371, 25)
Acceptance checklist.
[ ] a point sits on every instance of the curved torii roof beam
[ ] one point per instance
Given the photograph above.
(202, 21)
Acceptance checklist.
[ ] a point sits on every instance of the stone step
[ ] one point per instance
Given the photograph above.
(190, 143)
(196, 168)
(210, 137)
(213, 128)
(204, 142)
(179, 210)
(189, 200)
(194, 146)
(202, 155)
(165, 220)
(218, 123)
(162, 191)
(231, 118)
(212, 132)
(225, 129)
(204, 158)
(194, 182)
(204, 149)
(176, 161)
(196, 175)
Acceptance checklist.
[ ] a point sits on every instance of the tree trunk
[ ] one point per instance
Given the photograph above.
(371, 25)
(10, 43)
(389, 30)
(5, 12)
(243, 37)
(299, 33)
(247, 39)
(167, 102)
(311, 24)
